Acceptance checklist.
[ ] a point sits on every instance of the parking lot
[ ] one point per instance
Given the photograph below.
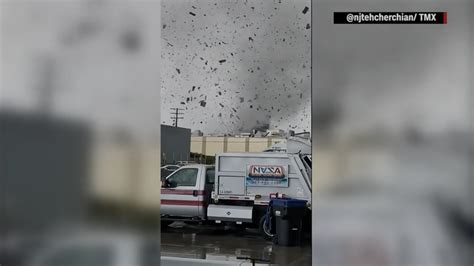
(225, 244)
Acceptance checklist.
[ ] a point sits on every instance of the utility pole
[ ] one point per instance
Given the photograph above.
(175, 115)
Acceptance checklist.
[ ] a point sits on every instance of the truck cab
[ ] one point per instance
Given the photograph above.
(186, 192)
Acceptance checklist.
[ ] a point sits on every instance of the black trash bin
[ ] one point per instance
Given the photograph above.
(289, 214)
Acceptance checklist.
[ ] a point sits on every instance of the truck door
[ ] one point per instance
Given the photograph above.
(185, 194)
(208, 188)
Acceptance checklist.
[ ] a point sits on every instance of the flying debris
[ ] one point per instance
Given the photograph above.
(253, 74)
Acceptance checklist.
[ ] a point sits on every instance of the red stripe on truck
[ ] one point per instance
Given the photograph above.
(183, 202)
(180, 191)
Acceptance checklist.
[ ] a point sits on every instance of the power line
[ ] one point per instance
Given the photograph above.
(176, 115)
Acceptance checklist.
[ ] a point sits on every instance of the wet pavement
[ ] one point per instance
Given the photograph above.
(227, 244)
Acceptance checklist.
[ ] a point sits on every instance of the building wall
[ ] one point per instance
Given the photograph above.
(211, 145)
(236, 144)
(43, 171)
(214, 145)
(175, 144)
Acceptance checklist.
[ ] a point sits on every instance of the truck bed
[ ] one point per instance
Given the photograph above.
(245, 175)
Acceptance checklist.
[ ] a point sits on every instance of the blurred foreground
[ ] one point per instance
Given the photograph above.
(393, 137)
(79, 115)
(393, 204)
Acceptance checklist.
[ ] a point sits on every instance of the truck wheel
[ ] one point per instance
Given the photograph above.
(264, 231)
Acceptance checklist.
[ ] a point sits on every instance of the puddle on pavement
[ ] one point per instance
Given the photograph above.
(207, 243)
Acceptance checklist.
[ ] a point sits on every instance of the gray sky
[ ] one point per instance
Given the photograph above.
(237, 65)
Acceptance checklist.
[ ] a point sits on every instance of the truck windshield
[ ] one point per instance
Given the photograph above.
(184, 177)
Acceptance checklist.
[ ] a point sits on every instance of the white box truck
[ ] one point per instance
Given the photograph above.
(237, 189)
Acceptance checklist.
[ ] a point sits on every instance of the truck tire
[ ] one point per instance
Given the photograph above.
(263, 230)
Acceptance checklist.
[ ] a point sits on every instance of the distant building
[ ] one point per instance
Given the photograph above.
(175, 144)
(211, 145)
(275, 133)
(197, 133)
(256, 141)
